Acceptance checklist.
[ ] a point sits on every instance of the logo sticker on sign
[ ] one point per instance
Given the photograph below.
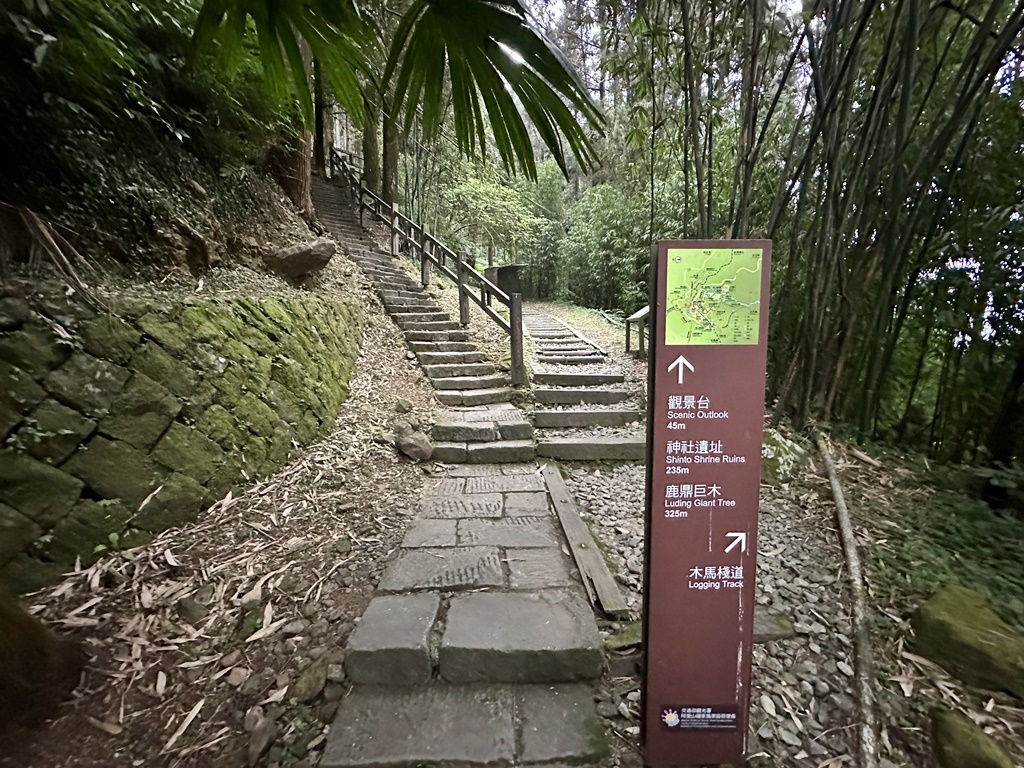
(709, 327)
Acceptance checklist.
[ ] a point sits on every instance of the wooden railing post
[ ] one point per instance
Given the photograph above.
(394, 230)
(362, 210)
(515, 321)
(424, 261)
(463, 293)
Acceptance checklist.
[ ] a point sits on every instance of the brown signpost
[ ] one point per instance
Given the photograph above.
(709, 327)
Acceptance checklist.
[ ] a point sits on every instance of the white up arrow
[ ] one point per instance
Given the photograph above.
(738, 537)
(680, 363)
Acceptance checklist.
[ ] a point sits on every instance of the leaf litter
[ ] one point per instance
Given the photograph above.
(306, 544)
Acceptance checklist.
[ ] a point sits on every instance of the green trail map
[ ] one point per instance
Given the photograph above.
(713, 296)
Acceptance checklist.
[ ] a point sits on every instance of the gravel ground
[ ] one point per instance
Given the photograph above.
(802, 689)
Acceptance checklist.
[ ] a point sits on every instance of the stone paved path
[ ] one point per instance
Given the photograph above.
(480, 641)
(577, 387)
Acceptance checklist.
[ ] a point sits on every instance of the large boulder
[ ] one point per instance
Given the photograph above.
(959, 743)
(37, 668)
(301, 259)
(958, 630)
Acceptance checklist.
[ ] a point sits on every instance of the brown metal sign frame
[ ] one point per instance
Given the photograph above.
(708, 350)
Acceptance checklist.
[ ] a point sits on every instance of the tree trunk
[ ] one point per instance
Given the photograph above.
(389, 187)
(319, 116)
(371, 144)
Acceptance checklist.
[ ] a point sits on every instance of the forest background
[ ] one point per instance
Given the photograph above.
(880, 145)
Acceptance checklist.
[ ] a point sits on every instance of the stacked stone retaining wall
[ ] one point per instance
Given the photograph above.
(114, 427)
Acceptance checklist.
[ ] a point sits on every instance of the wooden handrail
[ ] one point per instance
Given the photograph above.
(433, 252)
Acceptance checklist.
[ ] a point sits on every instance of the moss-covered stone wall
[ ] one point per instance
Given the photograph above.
(115, 427)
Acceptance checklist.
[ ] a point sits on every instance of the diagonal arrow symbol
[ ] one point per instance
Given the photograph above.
(738, 537)
(680, 363)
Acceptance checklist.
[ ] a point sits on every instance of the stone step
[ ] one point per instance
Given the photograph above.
(465, 725)
(449, 358)
(394, 308)
(395, 295)
(568, 335)
(571, 360)
(468, 382)
(593, 448)
(436, 325)
(491, 426)
(492, 452)
(577, 379)
(437, 336)
(585, 418)
(547, 636)
(578, 396)
(458, 370)
(446, 347)
(408, 316)
(475, 396)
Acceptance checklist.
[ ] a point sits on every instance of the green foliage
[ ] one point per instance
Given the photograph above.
(333, 31)
(79, 72)
(948, 538)
(497, 64)
(597, 257)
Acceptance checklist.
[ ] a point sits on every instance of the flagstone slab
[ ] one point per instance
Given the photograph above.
(444, 569)
(526, 532)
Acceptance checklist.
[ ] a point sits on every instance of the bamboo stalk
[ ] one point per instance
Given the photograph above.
(863, 659)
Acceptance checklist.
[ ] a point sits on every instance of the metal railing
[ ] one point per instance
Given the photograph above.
(432, 253)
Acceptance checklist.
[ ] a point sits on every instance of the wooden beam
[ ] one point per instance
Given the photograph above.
(598, 581)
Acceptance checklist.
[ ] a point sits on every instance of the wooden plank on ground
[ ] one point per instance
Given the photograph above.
(597, 579)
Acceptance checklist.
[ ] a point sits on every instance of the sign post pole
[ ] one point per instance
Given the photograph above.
(708, 350)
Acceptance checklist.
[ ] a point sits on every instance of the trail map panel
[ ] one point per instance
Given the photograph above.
(709, 322)
(714, 296)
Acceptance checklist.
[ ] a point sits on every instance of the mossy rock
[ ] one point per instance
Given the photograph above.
(35, 489)
(168, 333)
(110, 338)
(202, 397)
(34, 349)
(308, 428)
(52, 432)
(142, 413)
(958, 630)
(87, 531)
(256, 415)
(960, 743)
(115, 470)
(27, 574)
(177, 503)
(88, 384)
(187, 450)
(627, 637)
(289, 374)
(207, 324)
(282, 402)
(781, 458)
(17, 532)
(151, 360)
(254, 456)
(14, 313)
(277, 312)
(18, 393)
(257, 341)
(219, 425)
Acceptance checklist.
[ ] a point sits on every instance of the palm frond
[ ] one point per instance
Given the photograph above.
(498, 63)
(335, 31)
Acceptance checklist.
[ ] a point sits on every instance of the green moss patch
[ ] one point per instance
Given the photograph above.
(35, 489)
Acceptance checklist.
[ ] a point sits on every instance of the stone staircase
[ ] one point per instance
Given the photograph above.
(577, 390)
(482, 426)
(480, 644)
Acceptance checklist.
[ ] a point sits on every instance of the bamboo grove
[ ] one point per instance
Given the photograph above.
(880, 145)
